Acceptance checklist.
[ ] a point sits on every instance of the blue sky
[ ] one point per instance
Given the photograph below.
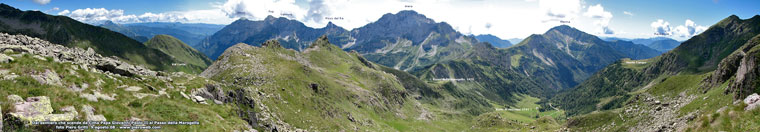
(678, 19)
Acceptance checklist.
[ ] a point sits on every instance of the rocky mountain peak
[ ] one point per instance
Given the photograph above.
(406, 16)
(331, 25)
(270, 18)
(322, 41)
(733, 19)
(564, 29)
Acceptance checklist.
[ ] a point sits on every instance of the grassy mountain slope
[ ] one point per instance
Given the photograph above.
(179, 51)
(679, 91)
(71, 33)
(325, 88)
(698, 55)
(157, 98)
(710, 101)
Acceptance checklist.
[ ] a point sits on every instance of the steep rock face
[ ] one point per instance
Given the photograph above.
(741, 69)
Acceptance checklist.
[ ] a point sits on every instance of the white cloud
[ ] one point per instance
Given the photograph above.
(41, 2)
(627, 13)
(560, 10)
(661, 27)
(505, 19)
(600, 17)
(97, 15)
(688, 30)
(259, 9)
(91, 15)
(53, 9)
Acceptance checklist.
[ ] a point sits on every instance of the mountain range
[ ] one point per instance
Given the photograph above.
(291, 33)
(663, 44)
(190, 33)
(539, 66)
(495, 41)
(72, 33)
(403, 72)
(698, 68)
(403, 41)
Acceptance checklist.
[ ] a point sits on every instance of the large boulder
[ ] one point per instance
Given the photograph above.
(40, 109)
(49, 77)
(89, 114)
(752, 101)
(5, 59)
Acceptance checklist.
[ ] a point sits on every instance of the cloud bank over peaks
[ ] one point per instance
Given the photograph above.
(99, 15)
(600, 17)
(259, 9)
(688, 30)
(560, 10)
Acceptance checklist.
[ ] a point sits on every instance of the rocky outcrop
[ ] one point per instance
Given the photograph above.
(40, 109)
(49, 78)
(59, 53)
(5, 59)
(752, 101)
(657, 114)
(210, 91)
(89, 114)
(741, 65)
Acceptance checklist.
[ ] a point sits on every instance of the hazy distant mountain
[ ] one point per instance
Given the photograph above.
(614, 39)
(664, 45)
(515, 40)
(190, 33)
(72, 33)
(648, 41)
(495, 41)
